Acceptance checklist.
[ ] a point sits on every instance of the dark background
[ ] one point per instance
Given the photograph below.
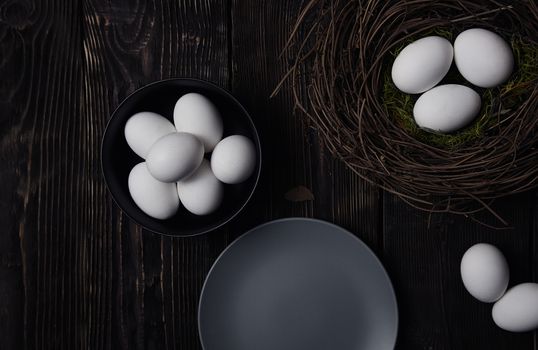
(75, 273)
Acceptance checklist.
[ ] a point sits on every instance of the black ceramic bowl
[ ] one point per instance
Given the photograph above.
(117, 159)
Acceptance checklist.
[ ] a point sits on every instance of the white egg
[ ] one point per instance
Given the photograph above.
(422, 64)
(446, 108)
(197, 115)
(201, 193)
(234, 159)
(175, 156)
(155, 198)
(517, 310)
(143, 129)
(483, 57)
(484, 272)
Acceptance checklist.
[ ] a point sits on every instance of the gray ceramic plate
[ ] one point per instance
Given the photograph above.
(297, 284)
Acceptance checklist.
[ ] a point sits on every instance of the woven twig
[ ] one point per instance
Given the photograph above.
(344, 52)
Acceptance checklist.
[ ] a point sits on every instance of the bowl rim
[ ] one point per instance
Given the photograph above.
(256, 140)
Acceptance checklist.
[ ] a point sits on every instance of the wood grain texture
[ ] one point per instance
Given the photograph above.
(76, 273)
(45, 244)
(258, 34)
(14, 86)
(424, 260)
(293, 156)
(534, 258)
(157, 280)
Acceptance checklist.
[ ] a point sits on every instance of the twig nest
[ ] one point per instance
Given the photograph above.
(364, 120)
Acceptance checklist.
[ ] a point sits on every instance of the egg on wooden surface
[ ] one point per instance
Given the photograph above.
(155, 198)
(517, 310)
(201, 193)
(446, 108)
(143, 129)
(422, 64)
(175, 156)
(484, 272)
(233, 159)
(483, 57)
(197, 115)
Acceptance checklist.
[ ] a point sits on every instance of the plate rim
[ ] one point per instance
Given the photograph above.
(394, 299)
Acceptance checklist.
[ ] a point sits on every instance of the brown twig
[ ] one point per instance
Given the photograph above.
(344, 56)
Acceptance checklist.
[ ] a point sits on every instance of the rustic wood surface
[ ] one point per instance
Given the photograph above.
(75, 273)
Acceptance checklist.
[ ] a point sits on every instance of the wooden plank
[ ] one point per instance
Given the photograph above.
(259, 31)
(45, 199)
(298, 178)
(156, 280)
(436, 310)
(357, 206)
(534, 260)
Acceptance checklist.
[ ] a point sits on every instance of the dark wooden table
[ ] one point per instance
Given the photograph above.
(75, 273)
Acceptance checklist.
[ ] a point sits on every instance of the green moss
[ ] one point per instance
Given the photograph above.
(505, 98)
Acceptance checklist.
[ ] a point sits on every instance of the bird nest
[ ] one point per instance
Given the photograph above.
(344, 50)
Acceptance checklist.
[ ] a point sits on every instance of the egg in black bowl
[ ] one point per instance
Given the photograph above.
(118, 159)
